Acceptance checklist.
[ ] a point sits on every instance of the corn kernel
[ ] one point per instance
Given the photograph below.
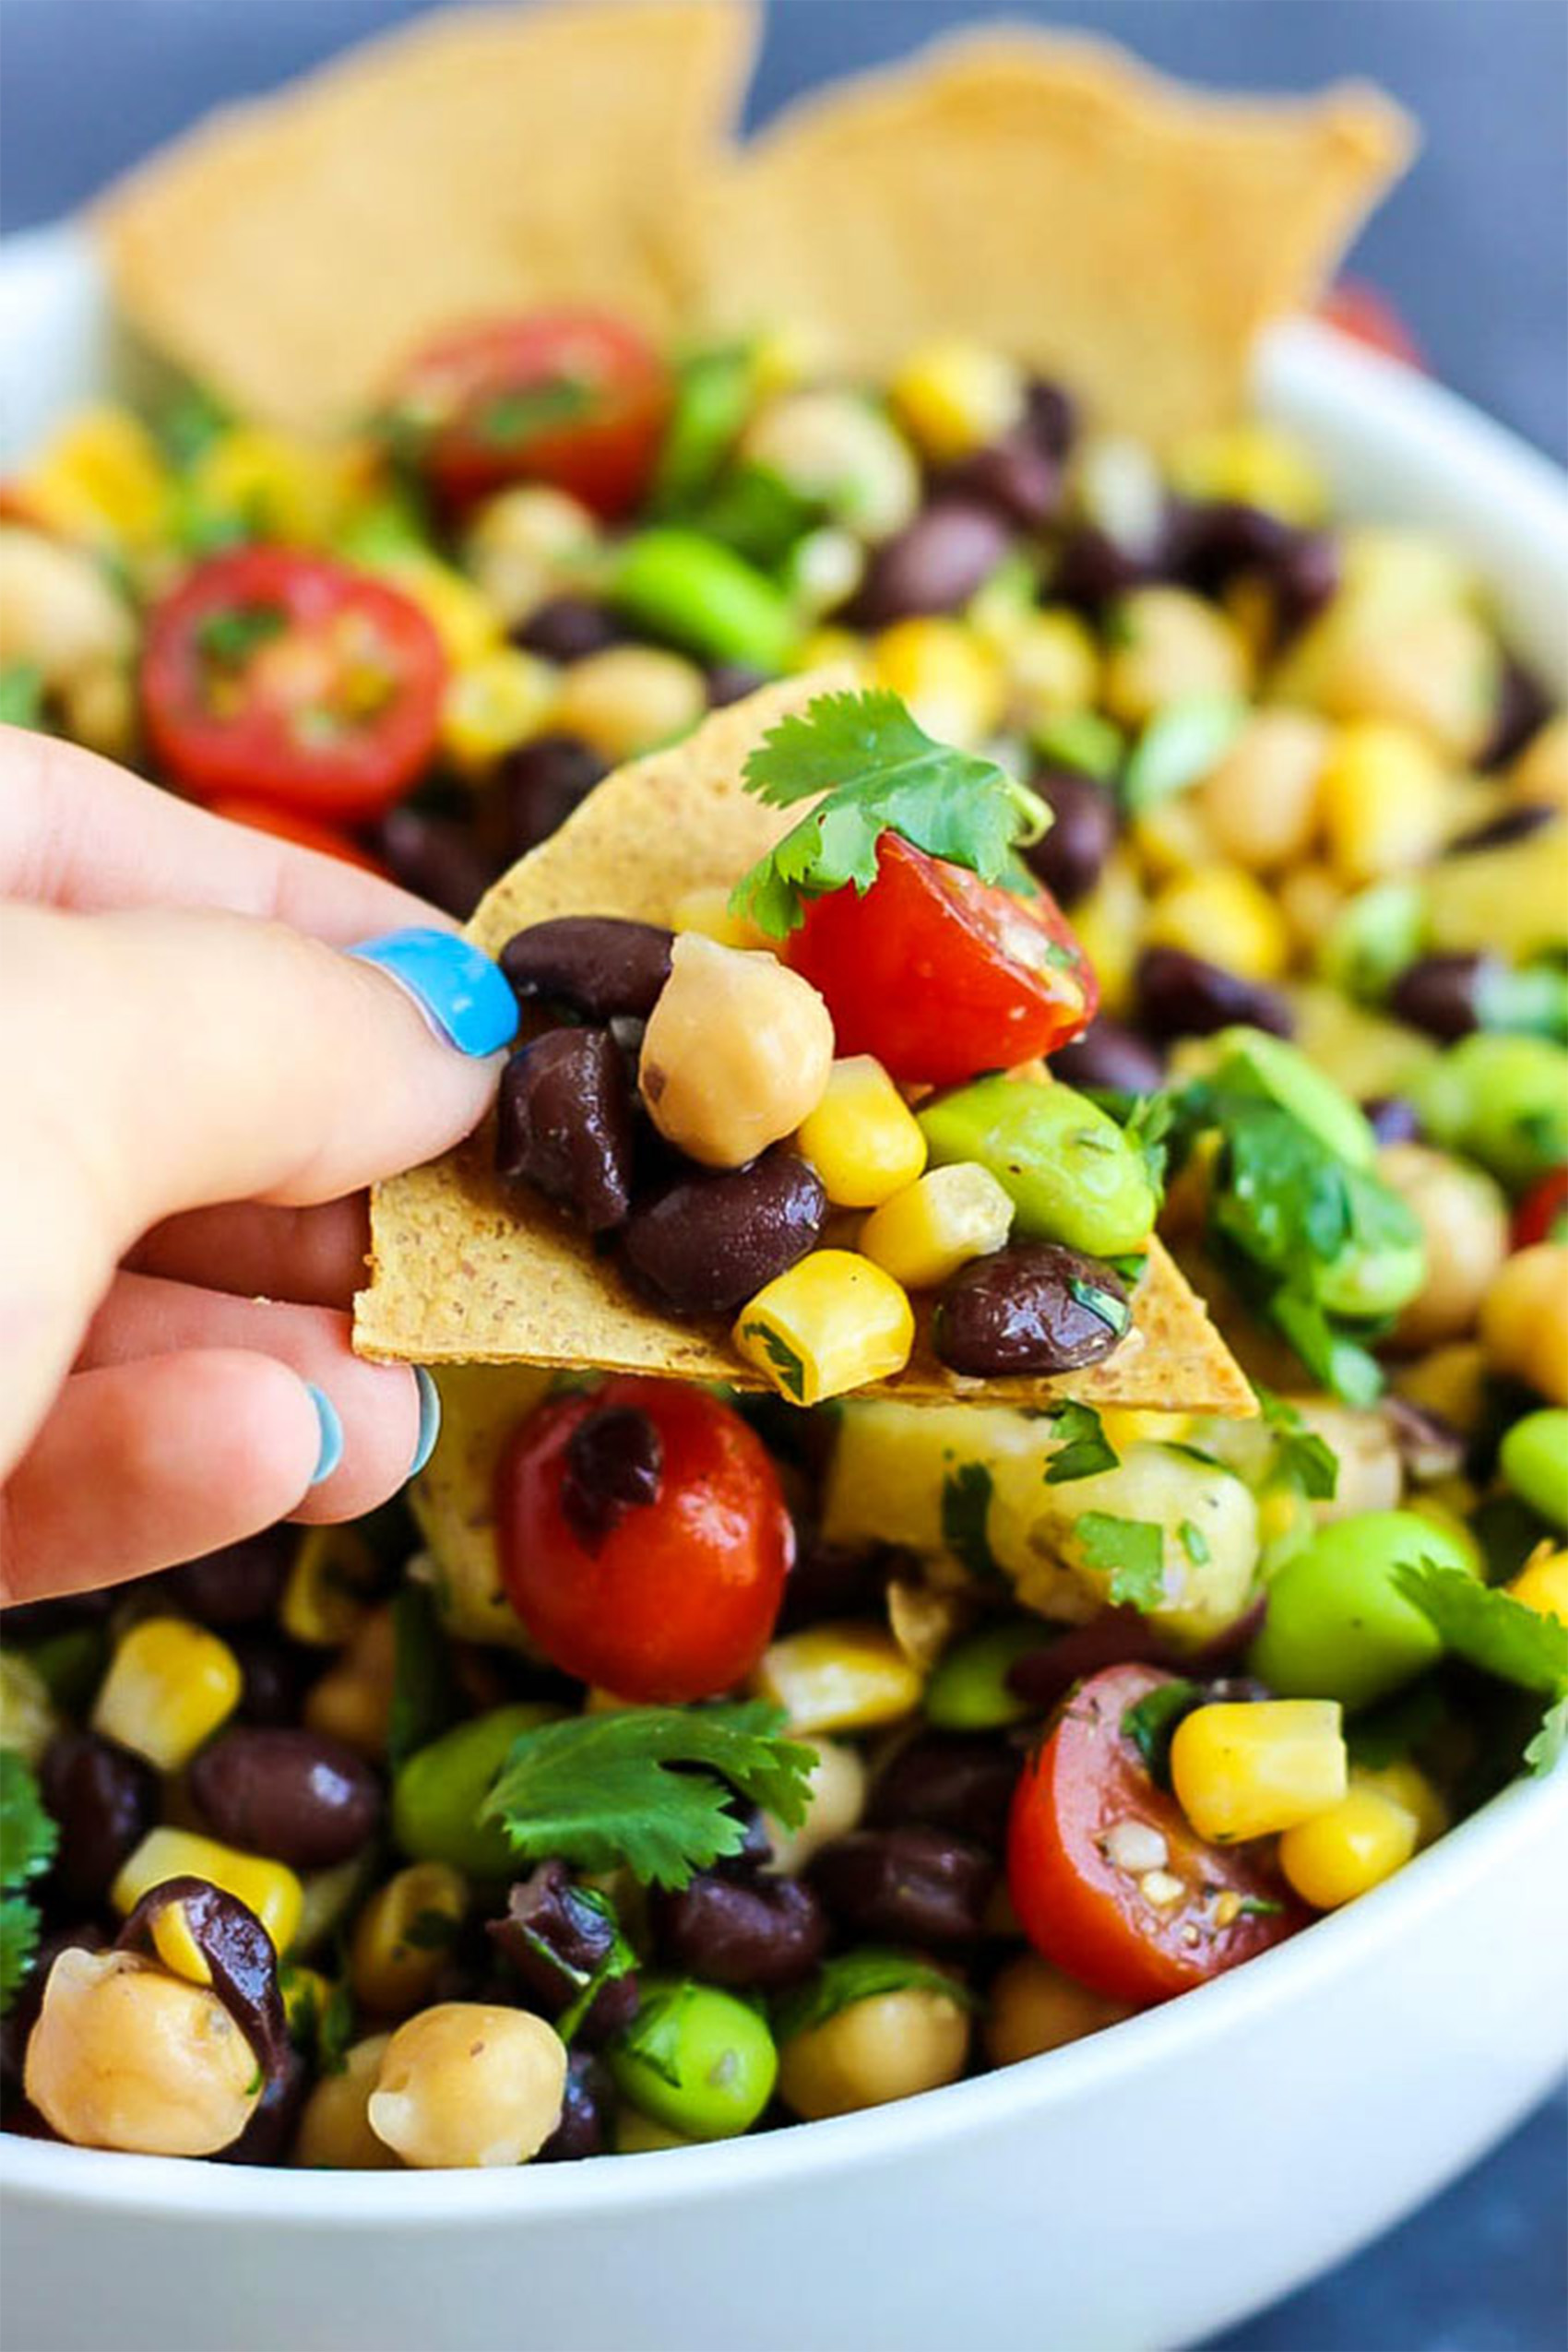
(844, 1677)
(170, 1685)
(1348, 1849)
(830, 648)
(952, 681)
(1384, 799)
(270, 1889)
(175, 1944)
(707, 910)
(466, 623)
(833, 1323)
(1053, 665)
(101, 477)
(403, 1938)
(787, 356)
(1256, 465)
(1172, 838)
(277, 486)
(1246, 1771)
(1125, 1425)
(1110, 924)
(1226, 916)
(325, 1596)
(863, 1138)
(1406, 1784)
(628, 698)
(1165, 645)
(1542, 1582)
(954, 397)
(492, 703)
(925, 1233)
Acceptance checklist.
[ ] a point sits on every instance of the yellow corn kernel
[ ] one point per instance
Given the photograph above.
(1540, 772)
(1173, 838)
(1450, 1382)
(279, 487)
(1225, 915)
(1542, 1582)
(492, 703)
(176, 1946)
(306, 1993)
(828, 648)
(170, 1685)
(707, 910)
(926, 1232)
(846, 1677)
(403, 1938)
(1257, 465)
(952, 681)
(628, 698)
(1406, 1784)
(1384, 799)
(954, 397)
(785, 357)
(466, 623)
(1053, 664)
(270, 1889)
(1127, 1425)
(1246, 1771)
(833, 1323)
(1110, 924)
(325, 1596)
(1310, 898)
(863, 1138)
(1348, 1848)
(102, 476)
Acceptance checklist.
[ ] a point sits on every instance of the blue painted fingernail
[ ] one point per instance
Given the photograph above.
(461, 993)
(331, 1452)
(430, 1421)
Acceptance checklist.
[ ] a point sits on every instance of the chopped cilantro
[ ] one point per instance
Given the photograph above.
(1131, 1552)
(1301, 1458)
(1259, 1906)
(1151, 1724)
(1097, 1300)
(788, 1366)
(1179, 746)
(228, 638)
(713, 393)
(336, 2028)
(1083, 1448)
(525, 413)
(1547, 1747)
(28, 1840)
(1082, 740)
(1498, 1636)
(860, 1975)
(19, 1942)
(619, 1961)
(966, 1508)
(1193, 1542)
(653, 2036)
(22, 695)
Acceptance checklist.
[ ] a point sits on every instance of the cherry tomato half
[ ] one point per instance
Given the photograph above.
(1090, 1915)
(1542, 1215)
(288, 825)
(941, 975)
(565, 397)
(285, 678)
(669, 1592)
(1367, 316)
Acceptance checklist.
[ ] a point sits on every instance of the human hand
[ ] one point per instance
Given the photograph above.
(197, 1087)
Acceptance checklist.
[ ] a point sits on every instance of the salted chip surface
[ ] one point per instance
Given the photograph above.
(467, 1269)
(1050, 197)
(292, 253)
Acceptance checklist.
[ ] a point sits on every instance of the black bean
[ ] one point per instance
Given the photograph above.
(708, 1244)
(756, 1848)
(1111, 1058)
(833, 1580)
(1070, 854)
(1223, 541)
(557, 1936)
(760, 1933)
(1012, 476)
(564, 1123)
(40, 1620)
(242, 1584)
(1513, 825)
(568, 628)
(1051, 417)
(585, 2108)
(1035, 1307)
(933, 564)
(537, 786)
(106, 1799)
(240, 1958)
(957, 1780)
(1181, 995)
(601, 966)
(905, 1886)
(436, 857)
(1092, 567)
(1392, 1119)
(1442, 993)
(303, 1799)
(613, 1463)
(1523, 708)
(730, 682)
(277, 1673)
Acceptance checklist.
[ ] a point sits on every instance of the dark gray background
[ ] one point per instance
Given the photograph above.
(1474, 249)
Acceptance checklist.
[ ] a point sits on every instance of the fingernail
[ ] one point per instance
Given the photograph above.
(430, 1421)
(461, 993)
(331, 1452)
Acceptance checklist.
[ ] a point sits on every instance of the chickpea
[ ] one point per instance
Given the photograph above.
(335, 2132)
(524, 545)
(1168, 643)
(1034, 2007)
(402, 1938)
(1524, 1319)
(1260, 803)
(59, 615)
(628, 698)
(1450, 1382)
(1370, 1477)
(1434, 669)
(832, 447)
(1464, 1223)
(465, 2084)
(126, 2056)
(352, 1701)
(1540, 772)
(886, 2047)
(737, 1051)
(836, 1796)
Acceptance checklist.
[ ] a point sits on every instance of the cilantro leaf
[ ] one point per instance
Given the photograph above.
(788, 1366)
(27, 1835)
(619, 1961)
(872, 770)
(1547, 1747)
(1179, 746)
(336, 2028)
(860, 1975)
(19, 1942)
(525, 412)
(1301, 1458)
(1151, 1724)
(1130, 1551)
(1084, 1449)
(1490, 1629)
(22, 695)
(966, 1506)
(1193, 1542)
(648, 1788)
(653, 2034)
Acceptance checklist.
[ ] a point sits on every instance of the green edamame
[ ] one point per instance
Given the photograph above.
(1372, 938)
(1534, 1459)
(1070, 1171)
(438, 1794)
(703, 596)
(969, 1691)
(1256, 1062)
(695, 2059)
(1502, 1100)
(1337, 1627)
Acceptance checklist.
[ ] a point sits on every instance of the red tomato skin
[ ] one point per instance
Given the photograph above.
(1542, 1215)
(914, 972)
(604, 459)
(679, 1600)
(1368, 316)
(1081, 1911)
(254, 753)
(288, 825)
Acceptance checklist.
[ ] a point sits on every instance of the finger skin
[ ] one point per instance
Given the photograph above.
(316, 1257)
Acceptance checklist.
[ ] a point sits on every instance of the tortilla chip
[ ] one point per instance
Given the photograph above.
(292, 253)
(466, 1269)
(1054, 199)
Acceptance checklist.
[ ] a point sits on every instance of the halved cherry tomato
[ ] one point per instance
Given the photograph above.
(289, 679)
(288, 825)
(660, 1584)
(1090, 1915)
(1367, 316)
(941, 975)
(565, 397)
(1542, 1215)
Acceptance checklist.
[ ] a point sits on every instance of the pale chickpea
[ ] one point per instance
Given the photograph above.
(1540, 772)
(465, 2084)
(836, 1796)
(1434, 669)
(335, 2133)
(402, 1938)
(1034, 2007)
(1464, 1223)
(526, 545)
(832, 447)
(352, 1701)
(628, 698)
(60, 616)
(1261, 802)
(1524, 1320)
(887, 2047)
(126, 2056)
(1167, 644)
(737, 1051)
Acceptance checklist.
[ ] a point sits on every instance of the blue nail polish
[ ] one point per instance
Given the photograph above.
(331, 1452)
(430, 1421)
(461, 993)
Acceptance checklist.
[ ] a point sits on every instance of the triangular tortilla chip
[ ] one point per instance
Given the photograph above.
(292, 253)
(466, 1269)
(1052, 197)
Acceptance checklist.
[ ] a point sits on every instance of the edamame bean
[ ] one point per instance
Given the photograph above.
(1068, 1167)
(438, 1793)
(1534, 1463)
(703, 597)
(696, 2060)
(969, 1691)
(1337, 1625)
(1502, 1100)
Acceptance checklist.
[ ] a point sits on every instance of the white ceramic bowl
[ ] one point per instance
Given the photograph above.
(1137, 2190)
